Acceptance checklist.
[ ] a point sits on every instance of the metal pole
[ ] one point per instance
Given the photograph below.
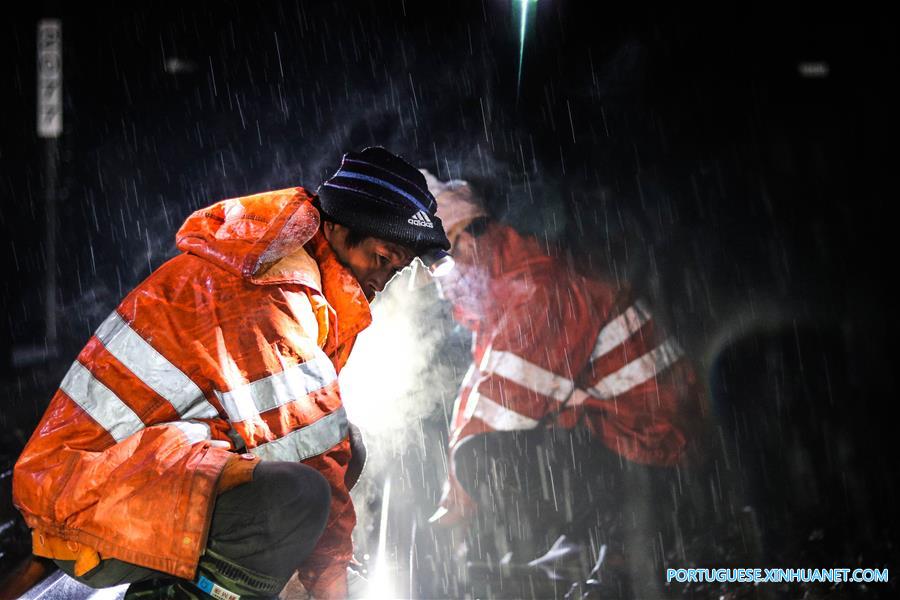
(49, 127)
(51, 159)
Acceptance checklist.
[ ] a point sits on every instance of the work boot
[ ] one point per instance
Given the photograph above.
(217, 578)
(220, 577)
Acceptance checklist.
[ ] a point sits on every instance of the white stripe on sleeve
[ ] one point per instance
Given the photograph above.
(250, 399)
(527, 374)
(638, 371)
(620, 329)
(499, 417)
(100, 402)
(309, 441)
(151, 367)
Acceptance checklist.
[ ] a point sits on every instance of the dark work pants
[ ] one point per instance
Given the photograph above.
(532, 486)
(268, 526)
(545, 482)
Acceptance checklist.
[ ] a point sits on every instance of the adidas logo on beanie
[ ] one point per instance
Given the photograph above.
(377, 193)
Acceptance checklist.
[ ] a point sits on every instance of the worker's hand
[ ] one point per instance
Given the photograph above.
(357, 457)
(357, 585)
(454, 508)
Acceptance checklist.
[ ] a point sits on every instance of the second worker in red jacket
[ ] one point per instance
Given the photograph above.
(555, 355)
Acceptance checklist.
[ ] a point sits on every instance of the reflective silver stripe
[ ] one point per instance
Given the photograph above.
(468, 378)
(499, 417)
(151, 367)
(620, 329)
(466, 382)
(638, 371)
(100, 402)
(308, 441)
(249, 400)
(527, 374)
(194, 431)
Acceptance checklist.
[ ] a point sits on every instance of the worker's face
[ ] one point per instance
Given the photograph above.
(464, 249)
(466, 285)
(373, 262)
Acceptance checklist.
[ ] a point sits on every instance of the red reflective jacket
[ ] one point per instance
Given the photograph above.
(554, 347)
(240, 335)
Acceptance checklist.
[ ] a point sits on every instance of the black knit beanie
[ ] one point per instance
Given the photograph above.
(377, 193)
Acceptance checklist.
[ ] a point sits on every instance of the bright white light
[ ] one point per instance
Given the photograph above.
(442, 267)
(387, 388)
(380, 585)
(523, 20)
(381, 384)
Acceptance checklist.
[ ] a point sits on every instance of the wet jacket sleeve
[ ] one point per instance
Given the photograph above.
(125, 428)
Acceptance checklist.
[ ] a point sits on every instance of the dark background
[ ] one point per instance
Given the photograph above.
(751, 202)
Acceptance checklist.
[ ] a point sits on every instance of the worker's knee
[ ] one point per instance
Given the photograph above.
(271, 523)
(294, 480)
(297, 497)
(307, 494)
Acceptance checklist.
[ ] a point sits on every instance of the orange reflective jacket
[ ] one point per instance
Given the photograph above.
(239, 337)
(554, 347)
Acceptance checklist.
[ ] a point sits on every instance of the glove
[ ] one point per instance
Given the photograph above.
(357, 585)
(454, 508)
(357, 457)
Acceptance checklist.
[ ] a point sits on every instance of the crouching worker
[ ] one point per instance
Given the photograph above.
(577, 406)
(198, 445)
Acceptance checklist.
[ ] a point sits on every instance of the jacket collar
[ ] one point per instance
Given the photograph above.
(341, 290)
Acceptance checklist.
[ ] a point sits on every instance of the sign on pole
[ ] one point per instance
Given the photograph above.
(49, 79)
